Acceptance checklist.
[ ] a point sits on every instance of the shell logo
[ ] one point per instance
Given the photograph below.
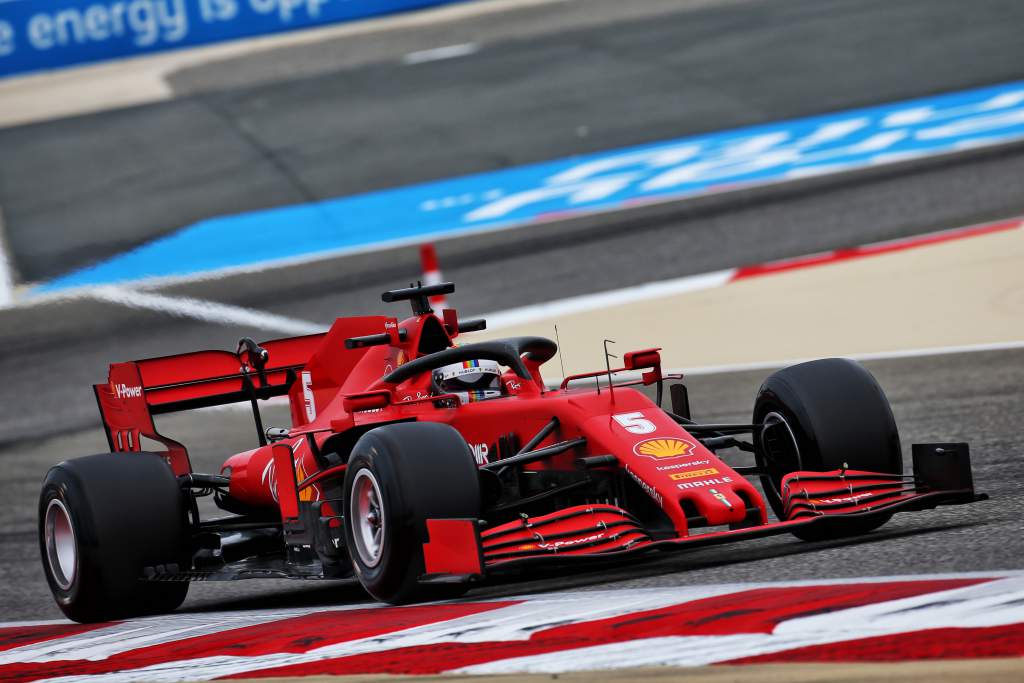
(660, 449)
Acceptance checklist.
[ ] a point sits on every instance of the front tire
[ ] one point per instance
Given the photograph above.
(824, 415)
(398, 477)
(102, 520)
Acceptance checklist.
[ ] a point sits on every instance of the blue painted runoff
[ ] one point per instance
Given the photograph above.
(604, 181)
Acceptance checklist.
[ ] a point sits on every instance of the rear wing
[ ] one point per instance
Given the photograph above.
(138, 390)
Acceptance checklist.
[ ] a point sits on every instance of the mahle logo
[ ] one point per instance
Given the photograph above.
(663, 448)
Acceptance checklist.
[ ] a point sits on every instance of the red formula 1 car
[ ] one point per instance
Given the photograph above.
(420, 466)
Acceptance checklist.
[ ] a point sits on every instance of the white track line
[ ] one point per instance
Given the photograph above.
(206, 311)
(6, 276)
(6, 283)
(615, 297)
(439, 53)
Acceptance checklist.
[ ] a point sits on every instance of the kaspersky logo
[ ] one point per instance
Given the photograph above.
(661, 449)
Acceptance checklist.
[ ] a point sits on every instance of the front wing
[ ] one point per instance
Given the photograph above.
(824, 502)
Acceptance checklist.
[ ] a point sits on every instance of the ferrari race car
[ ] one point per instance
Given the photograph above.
(419, 466)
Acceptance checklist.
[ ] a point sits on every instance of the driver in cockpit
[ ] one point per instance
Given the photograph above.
(470, 380)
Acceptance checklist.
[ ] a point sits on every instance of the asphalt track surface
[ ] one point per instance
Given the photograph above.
(551, 84)
(151, 168)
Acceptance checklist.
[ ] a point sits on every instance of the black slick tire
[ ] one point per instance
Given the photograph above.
(102, 520)
(399, 476)
(826, 414)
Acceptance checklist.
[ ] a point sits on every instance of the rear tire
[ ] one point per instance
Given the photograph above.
(102, 519)
(398, 477)
(826, 414)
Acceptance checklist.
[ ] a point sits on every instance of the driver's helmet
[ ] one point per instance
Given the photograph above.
(470, 380)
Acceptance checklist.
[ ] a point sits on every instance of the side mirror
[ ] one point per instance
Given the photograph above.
(645, 359)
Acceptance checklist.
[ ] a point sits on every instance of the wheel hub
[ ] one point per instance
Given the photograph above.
(366, 514)
(61, 545)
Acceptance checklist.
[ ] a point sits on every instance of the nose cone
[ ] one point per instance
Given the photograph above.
(718, 499)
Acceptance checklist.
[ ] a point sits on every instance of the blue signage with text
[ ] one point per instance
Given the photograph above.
(49, 34)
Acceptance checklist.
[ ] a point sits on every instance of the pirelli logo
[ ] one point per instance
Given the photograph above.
(693, 474)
